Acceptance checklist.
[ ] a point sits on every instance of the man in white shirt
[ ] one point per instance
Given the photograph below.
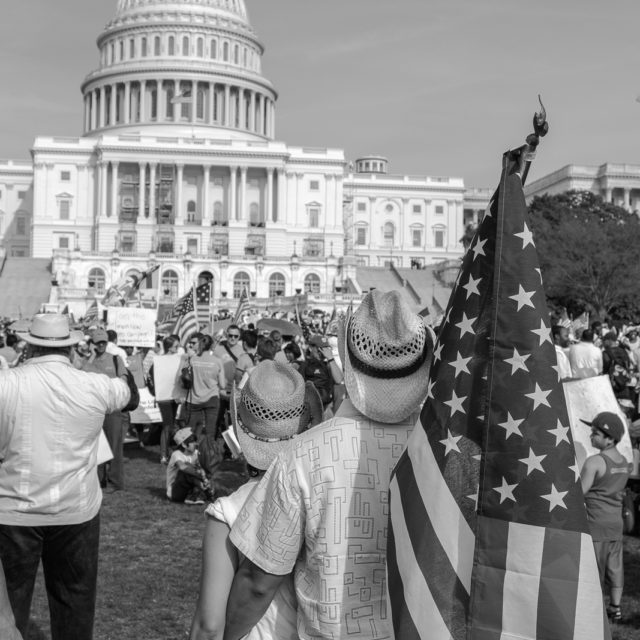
(585, 358)
(561, 341)
(51, 415)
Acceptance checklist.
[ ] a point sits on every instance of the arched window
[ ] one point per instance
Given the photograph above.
(312, 283)
(245, 54)
(200, 48)
(169, 284)
(200, 104)
(171, 46)
(168, 106)
(214, 49)
(156, 46)
(225, 52)
(389, 232)
(191, 211)
(143, 47)
(276, 285)
(218, 213)
(236, 54)
(185, 46)
(132, 48)
(112, 52)
(96, 280)
(121, 50)
(241, 282)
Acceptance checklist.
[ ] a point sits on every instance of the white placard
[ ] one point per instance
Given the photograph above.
(147, 410)
(104, 450)
(165, 378)
(585, 399)
(135, 327)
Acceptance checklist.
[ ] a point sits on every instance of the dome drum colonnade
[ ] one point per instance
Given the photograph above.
(163, 64)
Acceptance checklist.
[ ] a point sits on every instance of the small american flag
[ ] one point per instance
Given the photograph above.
(489, 537)
(186, 318)
(243, 306)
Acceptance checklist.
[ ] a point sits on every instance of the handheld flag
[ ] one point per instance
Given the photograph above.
(119, 293)
(186, 317)
(489, 536)
(243, 306)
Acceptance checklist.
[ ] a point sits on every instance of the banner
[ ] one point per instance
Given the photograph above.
(135, 327)
(166, 379)
(585, 399)
(147, 411)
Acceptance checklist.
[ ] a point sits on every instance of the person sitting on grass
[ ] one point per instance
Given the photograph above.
(186, 481)
(604, 477)
(273, 407)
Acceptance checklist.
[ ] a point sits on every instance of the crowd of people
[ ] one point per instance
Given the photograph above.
(318, 419)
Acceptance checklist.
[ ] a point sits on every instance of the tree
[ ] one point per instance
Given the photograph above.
(589, 253)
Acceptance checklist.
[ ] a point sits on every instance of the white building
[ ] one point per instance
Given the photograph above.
(178, 164)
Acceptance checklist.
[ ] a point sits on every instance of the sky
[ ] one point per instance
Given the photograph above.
(440, 87)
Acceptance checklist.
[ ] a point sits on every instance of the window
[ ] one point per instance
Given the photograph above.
(417, 208)
(132, 48)
(165, 243)
(121, 50)
(438, 237)
(214, 49)
(127, 242)
(388, 234)
(21, 226)
(236, 54)
(171, 46)
(156, 46)
(143, 47)
(389, 208)
(416, 236)
(192, 245)
(362, 206)
(63, 242)
(169, 283)
(314, 217)
(185, 46)
(96, 280)
(200, 48)
(314, 185)
(22, 195)
(276, 285)
(218, 214)
(313, 248)
(225, 51)
(439, 209)
(361, 236)
(312, 283)
(65, 176)
(191, 211)
(65, 207)
(200, 104)
(254, 215)
(241, 282)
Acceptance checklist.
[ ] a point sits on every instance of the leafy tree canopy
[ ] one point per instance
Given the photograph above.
(589, 253)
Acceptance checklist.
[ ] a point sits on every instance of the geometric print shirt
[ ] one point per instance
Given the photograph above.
(321, 510)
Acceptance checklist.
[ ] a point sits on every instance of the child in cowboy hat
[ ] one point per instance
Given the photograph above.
(321, 510)
(271, 409)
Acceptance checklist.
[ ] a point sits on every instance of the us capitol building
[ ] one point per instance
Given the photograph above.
(178, 164)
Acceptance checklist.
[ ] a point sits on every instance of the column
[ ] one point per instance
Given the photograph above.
(103, 106)
(112, 105)
(194, 101)
(178, 203)
(104, 172)
(273, 119)
(227, 104)
(627, 199)
(127, 102)
(607, 194)
(212, 103)
(269, 211)
(177, 108)
(279, 210)
(252, 112)
(94, 110)
(232, 193)
(206, 213)
(114, 190)
(152, 192)
(141, 190)
(242, 198)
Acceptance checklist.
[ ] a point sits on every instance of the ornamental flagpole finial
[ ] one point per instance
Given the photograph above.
(527, 152)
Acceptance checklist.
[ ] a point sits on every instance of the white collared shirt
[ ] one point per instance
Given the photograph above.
(50, 417)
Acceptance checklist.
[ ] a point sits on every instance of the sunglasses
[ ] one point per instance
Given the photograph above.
(233, 335)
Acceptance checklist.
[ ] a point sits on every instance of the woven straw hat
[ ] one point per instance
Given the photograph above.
(386, 352)
(273, 406)
(51, 330)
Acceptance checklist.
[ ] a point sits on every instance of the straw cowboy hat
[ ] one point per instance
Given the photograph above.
(386, 352)
(274, 405)
(51, 330)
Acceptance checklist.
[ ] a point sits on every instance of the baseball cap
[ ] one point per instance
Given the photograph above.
(609, 423)
(99, 335)
(182, 435)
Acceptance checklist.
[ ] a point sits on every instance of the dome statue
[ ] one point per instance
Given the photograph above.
(236, 7)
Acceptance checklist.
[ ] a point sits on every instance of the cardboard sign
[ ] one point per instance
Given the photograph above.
(147, 411)
(585, 399)
(135, 327)
(166, 379)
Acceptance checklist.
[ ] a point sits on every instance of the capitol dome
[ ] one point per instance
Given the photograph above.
(180, 65)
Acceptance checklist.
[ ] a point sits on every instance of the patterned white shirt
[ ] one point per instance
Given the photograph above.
(321, 510)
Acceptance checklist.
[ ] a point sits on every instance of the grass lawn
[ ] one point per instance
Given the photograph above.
(150, 562)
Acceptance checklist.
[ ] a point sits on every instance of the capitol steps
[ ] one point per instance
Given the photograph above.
(25, 284)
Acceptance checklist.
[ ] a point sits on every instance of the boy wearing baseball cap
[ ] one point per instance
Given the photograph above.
(603, 478)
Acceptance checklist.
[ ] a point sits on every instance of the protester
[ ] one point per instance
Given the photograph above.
(186, 482)
(616, 363)
(603, 478)
(321, 508)
(585, 358)
(51, 415)
(112, 346)
(276, 336)
(229, 350)
(321, 369)
(274, 406)
(247, 360)
(560, 335)
(294, 356)
(116, 423)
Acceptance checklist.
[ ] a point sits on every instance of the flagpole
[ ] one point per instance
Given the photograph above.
(527, 152)
(211, 306)
(195, 304)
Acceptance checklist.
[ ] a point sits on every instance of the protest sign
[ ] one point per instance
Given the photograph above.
(585, 399)
(135, 327)
(166, 379)
(147, 410)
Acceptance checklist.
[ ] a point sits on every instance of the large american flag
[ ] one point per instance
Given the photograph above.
(488, 533)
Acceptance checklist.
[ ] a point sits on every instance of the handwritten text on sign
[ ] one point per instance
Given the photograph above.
(135, 327)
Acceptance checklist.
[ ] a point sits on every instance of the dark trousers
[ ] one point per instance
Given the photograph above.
(203, 417)
(114, 426)
(168, 410)
(183, 485)
(69, 555)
